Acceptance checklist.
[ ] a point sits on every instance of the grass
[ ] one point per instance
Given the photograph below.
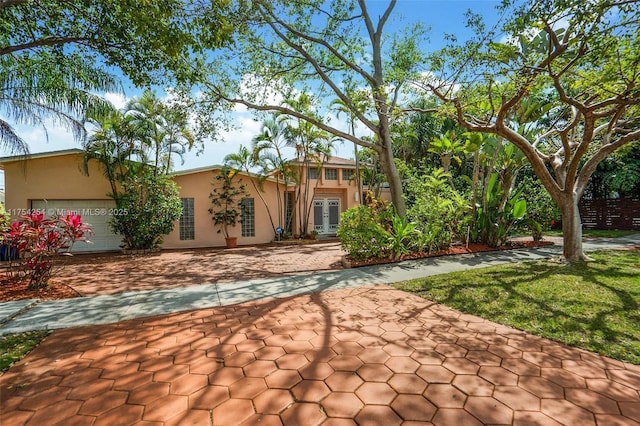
(595, 233)
(594, 305)
(13, 347)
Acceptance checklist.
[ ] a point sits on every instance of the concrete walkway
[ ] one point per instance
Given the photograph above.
(355, 355)
(29, 315)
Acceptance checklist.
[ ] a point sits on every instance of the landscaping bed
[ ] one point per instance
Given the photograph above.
(348, 262)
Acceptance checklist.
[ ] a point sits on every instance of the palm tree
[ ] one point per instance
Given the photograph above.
(112, 144)
(243, 161)
(49, 86)
(163, 129)
(268, 152)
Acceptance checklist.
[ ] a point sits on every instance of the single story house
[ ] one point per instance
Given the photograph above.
(54, 182)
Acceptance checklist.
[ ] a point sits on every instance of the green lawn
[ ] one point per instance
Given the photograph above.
(596, 233)
(594, 305)
(14, 347)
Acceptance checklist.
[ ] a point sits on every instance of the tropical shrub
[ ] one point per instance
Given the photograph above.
(402, 232)
(147, 208)
(437, 210)
(364, 231)
(39, 241)
(499, 213)
(542, 211)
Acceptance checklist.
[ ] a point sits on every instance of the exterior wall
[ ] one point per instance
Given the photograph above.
(60, 177)
(198, 186)
(345, 190)
(50, 178)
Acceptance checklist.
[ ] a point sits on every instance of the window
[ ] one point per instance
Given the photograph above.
(331, 174)
(187, 228)
(248, 217)
(312, 173)
(348, 174)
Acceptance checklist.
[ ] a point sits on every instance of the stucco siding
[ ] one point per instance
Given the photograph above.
(198, 186)
(50, 178)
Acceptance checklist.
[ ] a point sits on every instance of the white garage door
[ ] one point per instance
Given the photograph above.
(94, 212)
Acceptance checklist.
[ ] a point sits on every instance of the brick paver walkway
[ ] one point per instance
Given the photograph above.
(367, 356)
(111, 273)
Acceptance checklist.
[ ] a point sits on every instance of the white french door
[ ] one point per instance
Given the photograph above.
(326, 215)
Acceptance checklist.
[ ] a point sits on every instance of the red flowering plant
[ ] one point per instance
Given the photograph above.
(40, 242)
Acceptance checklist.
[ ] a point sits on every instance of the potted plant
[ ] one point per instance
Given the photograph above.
(226, 198)
(313, 234)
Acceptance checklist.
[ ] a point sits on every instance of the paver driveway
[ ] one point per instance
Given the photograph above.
(111, 273)
(368, 356)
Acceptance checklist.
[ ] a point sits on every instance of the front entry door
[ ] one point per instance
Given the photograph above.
(326, 215)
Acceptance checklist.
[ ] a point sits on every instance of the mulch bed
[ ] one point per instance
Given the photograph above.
(11, 290)
(454, 249)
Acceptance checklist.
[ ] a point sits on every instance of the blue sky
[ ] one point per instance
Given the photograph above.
(441, 16)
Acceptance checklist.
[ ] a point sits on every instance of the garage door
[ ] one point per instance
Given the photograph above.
(94, 212)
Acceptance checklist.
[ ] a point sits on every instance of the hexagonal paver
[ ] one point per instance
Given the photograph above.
(259, 368)
(378, 415)
(232, 412)
(435, 374)
(452, 416)
(316, 371)
(473, 385)
(209, 397)
(445, 395)
(310, 390)
(592, 401)
(517, 398)
(188, 384)
(247, 387)
(345, 363)
(375, 372)
(303, 413)
(343, 381)
(407, 383)
(226, 376)
(489, 410)
(376, 393)
(148, 393)
(414, 362)
(566, 413)
(414, 408)
(273, 401)
(342, 404)
(283, 379)
(164, 408)
(291, 361)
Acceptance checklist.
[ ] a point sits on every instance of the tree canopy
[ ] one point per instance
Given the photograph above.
(562, 86)
(333, 50)
(54, 55)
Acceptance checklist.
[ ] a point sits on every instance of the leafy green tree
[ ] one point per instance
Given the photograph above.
(581, 57)
(334, 49)
(147, 209)
(53, 54)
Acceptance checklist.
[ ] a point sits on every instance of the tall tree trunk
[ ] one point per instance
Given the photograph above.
(390, 171)
(572, 229)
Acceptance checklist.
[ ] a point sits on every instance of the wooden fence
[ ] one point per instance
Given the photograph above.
(621, 213)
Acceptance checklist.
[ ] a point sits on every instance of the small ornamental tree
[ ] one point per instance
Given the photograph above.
(226, 198)
(39, 242)
(147, 210)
